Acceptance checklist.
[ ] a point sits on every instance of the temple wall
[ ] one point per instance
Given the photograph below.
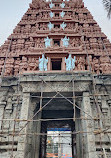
(17, 104)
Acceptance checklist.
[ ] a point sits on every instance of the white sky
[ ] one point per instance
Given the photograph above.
(11, 12)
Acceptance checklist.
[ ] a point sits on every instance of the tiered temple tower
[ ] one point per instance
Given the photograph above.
(55, 71)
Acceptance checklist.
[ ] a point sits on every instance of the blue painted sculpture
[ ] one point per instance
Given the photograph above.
(65, 41)
(62, 14)
(43, 63)
(47, 42)
(62, 5)
(51, 5)
(50, 25)
(51, 14)
(63, 25)
(70, 63)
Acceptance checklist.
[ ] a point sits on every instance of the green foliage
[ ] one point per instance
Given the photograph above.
(107, 5)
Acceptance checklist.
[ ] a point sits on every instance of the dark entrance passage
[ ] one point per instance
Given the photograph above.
(58, 139)
(56, 64)
(57, 128)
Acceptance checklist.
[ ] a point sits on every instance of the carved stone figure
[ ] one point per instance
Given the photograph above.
(1, 64)
(107, 68)
(39, 16)
(62, 5)
(33, 17)
(23, 65)
(46, 15)
(9, 67)
(27, 44)
(73, 3)
(70, 63)
(37, 26)
(50, 25)
(37, 42)
(40, 43)
(43, 26)
(47, 42)
(89, 63)
(13, 46)
(75, 42)
(28, 28)
(76, 28)
(81, 64)
(65, 41)
(68, 15)
(38, 4)
(105, 64)
(62, 14)
(36, 64)
(17, 66)
(51, 14)
(63, 25)
(70, 26)
(33, 64)
(4, 50)
(71, 42)
(51, 5)
(43, 63)
(20, 44)
(96, 65)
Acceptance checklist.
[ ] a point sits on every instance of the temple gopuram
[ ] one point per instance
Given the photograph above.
(55, 84)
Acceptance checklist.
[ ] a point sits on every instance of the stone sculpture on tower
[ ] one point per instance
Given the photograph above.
(43, 63)
(47, 42)
(70, 63)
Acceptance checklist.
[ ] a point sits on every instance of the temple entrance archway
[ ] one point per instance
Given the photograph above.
(57, 128)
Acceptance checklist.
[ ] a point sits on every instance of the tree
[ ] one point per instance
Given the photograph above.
(107, 5)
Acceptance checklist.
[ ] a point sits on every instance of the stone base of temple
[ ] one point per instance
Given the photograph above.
(32, 103)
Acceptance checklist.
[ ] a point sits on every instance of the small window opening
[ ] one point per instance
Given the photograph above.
(56, 5)
(98, 149)
(28, 14)
(76, 13)
(57, 43)
(56, 15)
(84, 13)
(56, 64)
(56, 26)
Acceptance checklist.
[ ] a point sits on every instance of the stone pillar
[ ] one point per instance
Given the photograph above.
(89, 148)
(37, 137)
(22, 141)
(49, 64)
(3, 94)
(78, 136)
(2, 106)
(63, 64)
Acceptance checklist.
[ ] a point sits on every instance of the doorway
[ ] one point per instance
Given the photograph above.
(59, 140)
(56, 63)
(57, 128)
